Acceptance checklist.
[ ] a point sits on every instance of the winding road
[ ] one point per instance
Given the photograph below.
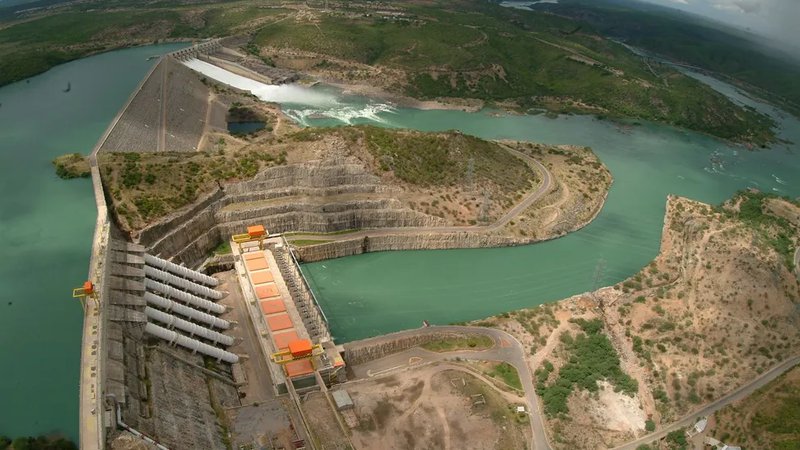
(506, 349)
(736, 395)
(530, 199)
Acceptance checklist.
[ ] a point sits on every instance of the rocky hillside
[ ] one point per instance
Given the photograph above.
(716, 308)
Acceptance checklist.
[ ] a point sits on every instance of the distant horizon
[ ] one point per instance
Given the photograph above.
(773, 20)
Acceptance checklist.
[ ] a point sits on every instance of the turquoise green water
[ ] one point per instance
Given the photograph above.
(377, 293)
(46, 227)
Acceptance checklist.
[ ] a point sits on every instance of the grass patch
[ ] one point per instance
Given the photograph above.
(508, 374)
(307, 242)
(224, 248)
(478, 342)
(329, 233)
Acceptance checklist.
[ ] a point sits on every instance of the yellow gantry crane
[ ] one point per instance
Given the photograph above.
(87, 290)
(254, 233)
(299, 349)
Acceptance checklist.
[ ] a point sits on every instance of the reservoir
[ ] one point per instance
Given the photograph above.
(46, 224)
(46, 227)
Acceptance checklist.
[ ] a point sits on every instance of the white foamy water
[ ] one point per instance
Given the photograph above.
(312, 104)
(284, 93)
(343, 113)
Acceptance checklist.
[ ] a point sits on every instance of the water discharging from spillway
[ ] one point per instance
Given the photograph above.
(304, 103)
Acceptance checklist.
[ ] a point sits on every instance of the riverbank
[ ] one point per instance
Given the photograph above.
(668, 323)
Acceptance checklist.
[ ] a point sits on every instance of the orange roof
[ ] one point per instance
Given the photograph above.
(299, 368)
(256, 231)
(253, 255)
(256, 263)
(266, 291)
(300, 347)
(282, 339)
(279, 322)
(272, 306)
(265, 276)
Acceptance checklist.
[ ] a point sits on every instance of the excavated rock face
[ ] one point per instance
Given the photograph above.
(318, 196)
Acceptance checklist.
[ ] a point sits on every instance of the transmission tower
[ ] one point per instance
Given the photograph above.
(484, 215)
(470, 177)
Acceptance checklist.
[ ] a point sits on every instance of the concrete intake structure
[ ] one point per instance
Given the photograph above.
(192, 344)
(189, 327)
(187, 285)
(182, 271)
(193, 300)
(170, 306)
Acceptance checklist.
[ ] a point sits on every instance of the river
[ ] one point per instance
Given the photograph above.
(46, 225)
(376, 293)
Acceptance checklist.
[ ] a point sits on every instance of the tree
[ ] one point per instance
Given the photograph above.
(649, 425)
(677, 438)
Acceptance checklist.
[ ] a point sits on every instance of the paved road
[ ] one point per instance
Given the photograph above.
(544, 187)
(506, 349)
(707, 410)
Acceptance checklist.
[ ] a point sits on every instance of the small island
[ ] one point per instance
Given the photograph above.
(72, 165)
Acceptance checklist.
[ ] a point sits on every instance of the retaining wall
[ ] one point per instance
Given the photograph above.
(360, 352)
(340, 249)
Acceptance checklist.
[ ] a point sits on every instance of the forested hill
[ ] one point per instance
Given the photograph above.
(742, 57)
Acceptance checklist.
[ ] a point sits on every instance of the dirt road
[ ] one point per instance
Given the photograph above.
(734, 396)
(506, 349)
(530, 199)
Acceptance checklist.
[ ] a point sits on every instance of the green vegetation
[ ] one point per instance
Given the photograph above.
(508, 374)
(710, 45)
(349, 230)
(433, 159)
(36, 443)
(469, 49)
(774, 231)
(473, 342)
(649, 425)
(307, 242)
(677, 439)
(592, 358)
(72, 165)
(34, 46)
(223, 248)
(146, 186)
